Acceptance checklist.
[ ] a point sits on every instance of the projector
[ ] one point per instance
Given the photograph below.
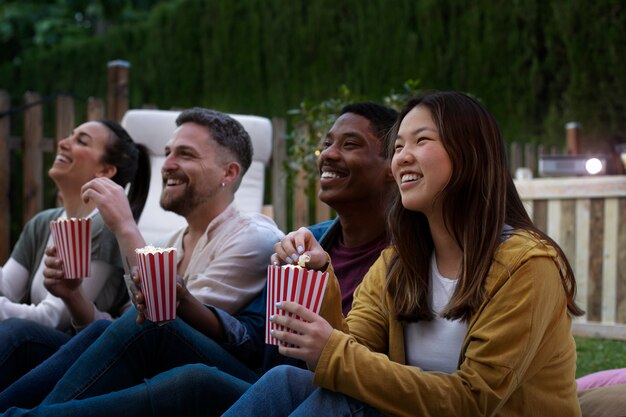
(571, 165)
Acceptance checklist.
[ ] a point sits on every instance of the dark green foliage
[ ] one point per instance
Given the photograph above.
(595, 41)
(536, 64)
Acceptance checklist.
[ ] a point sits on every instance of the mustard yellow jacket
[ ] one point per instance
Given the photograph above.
(518, 357)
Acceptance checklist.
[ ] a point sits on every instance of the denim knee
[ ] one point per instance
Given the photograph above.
(98, 326)
(17, 333)
(15, 327)
(193, 375)
(289, 373)
(194, 389)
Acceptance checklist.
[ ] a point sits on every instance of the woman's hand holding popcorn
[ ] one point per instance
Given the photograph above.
(300, 248)
(307, 337)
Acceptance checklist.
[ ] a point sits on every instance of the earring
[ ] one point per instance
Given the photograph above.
(222, 185)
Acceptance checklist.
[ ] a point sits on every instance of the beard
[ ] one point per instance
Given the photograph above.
(182, 203)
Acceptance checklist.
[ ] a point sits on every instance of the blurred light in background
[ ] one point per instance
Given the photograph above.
(571, 165)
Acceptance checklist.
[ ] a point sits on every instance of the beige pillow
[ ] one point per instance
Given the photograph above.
(607, 401)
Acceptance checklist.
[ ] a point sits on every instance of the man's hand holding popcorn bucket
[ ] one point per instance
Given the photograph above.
(297, 280)
(155, 287)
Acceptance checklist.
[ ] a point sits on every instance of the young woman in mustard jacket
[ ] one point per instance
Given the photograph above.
(468, 313)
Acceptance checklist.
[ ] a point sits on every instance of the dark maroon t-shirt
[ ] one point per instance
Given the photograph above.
(351, 265)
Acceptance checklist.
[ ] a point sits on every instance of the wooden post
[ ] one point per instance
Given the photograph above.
(95, 108)
(541, 150)
(322, 210)
(64, 118)
(621, 261)
(530, 157)
(279, 180)
(515, 159)
(596, 257)
(301, 200)
(572, 138)
(64, 124)
(117, 95)
(33, 160)
(5, 177)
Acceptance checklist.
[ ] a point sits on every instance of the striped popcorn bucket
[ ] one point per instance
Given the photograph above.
(285, 283)
(157, 272)
(72, 238)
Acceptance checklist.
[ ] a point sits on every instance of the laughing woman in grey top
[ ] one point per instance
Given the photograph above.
(44, 308)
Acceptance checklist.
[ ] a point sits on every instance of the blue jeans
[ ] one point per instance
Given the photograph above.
(24, 344)
(32, 388)
(190, 390)
(289, 391)
(127, 353)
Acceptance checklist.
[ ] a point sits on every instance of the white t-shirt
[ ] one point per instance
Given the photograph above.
(436, 345)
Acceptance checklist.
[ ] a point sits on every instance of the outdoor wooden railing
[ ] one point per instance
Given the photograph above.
(587, 217)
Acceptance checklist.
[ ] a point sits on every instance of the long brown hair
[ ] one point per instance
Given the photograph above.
(479, 199)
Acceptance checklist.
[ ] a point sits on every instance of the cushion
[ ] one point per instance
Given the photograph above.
(602, 378)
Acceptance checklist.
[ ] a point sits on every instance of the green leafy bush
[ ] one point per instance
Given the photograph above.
(311, 121)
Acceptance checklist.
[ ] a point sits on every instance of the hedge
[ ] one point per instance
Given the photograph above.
(536, 64)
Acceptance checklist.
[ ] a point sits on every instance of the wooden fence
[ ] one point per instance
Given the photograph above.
(587, 217)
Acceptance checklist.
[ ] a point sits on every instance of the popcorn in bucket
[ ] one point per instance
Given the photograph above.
(157, 272)
(292, 283)
(72, 238)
